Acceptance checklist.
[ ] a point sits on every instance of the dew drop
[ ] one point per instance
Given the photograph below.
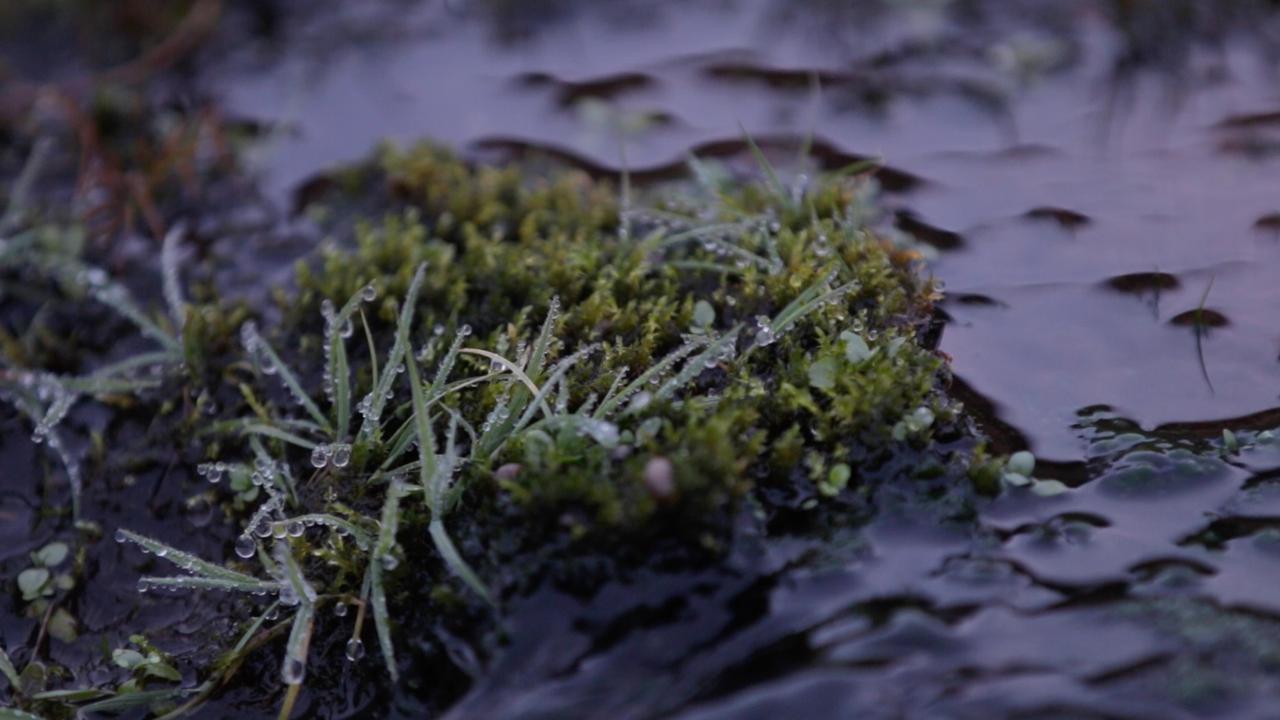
(295, 529)
(342, 455)
(121, 536)
(340, 609)
(320, 456)
(369, 293)
(292, 671)
(355, 649)
(245, 546)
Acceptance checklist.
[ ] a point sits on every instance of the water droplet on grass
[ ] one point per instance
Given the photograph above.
(292, 671)
(355, 649)
(320, 456)
(245, 546)
(342, 454)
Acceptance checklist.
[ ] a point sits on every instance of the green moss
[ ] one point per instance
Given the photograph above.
(784, 342)
(500, 245)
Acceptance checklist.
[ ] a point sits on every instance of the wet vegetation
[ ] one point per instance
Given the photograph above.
(517, 431)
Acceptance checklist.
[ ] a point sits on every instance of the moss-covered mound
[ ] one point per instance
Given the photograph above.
(513, 366)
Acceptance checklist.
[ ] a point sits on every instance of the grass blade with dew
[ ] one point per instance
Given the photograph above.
(651, 374)
(509, 366)
(256, 344)
(558, 372)
(405, 434)
(426, 436)
(399, 349)
(377, 594)
(195, 582)
(116, 297)
(169, 273)
(337, 371)
(694, 366)
(185, 560)
(361, 538)
(811, 298)
(274, 472)
(294, 667)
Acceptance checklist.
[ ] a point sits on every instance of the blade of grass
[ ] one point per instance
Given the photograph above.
(399, 348)
(452, 558)
(775, 183)
(194, 582)
(291, 381)
(8, 670)
(426, 436)
(185, 560)
(377, 595)
(278, 434)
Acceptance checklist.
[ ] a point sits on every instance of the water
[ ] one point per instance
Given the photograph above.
(1083, 189)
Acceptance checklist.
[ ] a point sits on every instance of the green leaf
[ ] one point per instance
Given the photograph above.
(703, 314)
(426, 439)
(31, 582)
(51, 555)
(1022, 463)
(73, 695)
(62, 625)
(856, 349)
(161, 669)
(1048, 488)
(127, 658)
(822, 374)
(129, 700)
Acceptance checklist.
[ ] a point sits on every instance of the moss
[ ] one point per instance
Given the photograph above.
(501, 244)
(794, 375)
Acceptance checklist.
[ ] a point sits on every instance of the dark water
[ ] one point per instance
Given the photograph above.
(1085, 172)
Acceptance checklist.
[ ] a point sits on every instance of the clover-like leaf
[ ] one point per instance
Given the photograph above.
(32, 582)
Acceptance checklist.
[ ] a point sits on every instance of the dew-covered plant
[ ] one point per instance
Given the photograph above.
(46, 398)
(508, 360)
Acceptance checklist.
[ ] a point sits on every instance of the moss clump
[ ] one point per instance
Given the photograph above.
(565, 370)
(842, 383)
